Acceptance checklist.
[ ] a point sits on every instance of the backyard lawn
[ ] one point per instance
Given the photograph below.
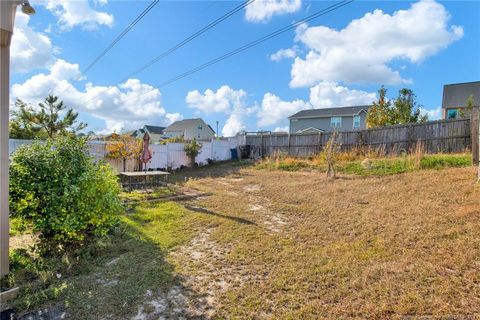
(276, 244)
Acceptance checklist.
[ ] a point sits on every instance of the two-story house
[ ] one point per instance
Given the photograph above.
(189, 129)
(455, 97)
(329, 119)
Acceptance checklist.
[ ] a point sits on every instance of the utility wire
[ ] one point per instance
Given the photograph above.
(256, 42)
(121, 35)
(180, 44)
(188, 39)
(251, 44)
(114, 42)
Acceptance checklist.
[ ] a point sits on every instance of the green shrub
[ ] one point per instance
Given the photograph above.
(58, 189)
(192, 149)
(438, 161)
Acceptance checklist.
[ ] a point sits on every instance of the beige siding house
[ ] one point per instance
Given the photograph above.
(190, 129)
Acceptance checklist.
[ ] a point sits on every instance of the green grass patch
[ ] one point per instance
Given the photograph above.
(142, 195)
(440, 161)
(108, 277)
(377, 167)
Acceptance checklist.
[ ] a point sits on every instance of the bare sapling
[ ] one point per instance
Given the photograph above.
(331, 151)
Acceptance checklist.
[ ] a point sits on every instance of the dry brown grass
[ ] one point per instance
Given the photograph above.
(353, 247)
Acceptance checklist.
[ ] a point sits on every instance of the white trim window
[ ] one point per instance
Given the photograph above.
(356, 122)
(336, 122)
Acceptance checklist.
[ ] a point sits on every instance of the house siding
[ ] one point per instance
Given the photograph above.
(323, 123)
(192, 132)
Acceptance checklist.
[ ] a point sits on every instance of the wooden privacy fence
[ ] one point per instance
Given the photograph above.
(436, 136)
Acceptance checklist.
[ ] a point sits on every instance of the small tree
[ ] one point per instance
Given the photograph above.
(192, 149)
(469, 104)
(406, 109)
(125, 147)
(330, 154)
(44, 121)
(379, 114)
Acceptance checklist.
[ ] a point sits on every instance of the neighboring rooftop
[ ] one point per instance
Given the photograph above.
(154, 129)
(330, 112)
(181, 125)
(456, 94)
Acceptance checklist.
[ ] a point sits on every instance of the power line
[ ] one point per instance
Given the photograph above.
(114, 42)
(188, 39)
(180, 44)
(256, 42)
(121, 35)
(251, 44)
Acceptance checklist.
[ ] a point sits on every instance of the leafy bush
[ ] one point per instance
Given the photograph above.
(58, 188)
(192, 149)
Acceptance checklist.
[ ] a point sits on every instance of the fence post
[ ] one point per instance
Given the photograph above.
(359, 141)
(409, 138)
(319, 142)
(288, 143)
(474, 134)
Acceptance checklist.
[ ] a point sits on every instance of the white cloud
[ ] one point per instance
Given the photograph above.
(223, 100)
(433, 114)
(273, 109)
(234, 124)
(172, 117)
(78, 13)
(328, 94)
(281, 129)
(127, 106)
(30, 49)
(363, 50)
(264, 10)
(283, 54)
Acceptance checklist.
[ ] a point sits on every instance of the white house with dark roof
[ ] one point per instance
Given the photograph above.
(190, 129)
(329, 119)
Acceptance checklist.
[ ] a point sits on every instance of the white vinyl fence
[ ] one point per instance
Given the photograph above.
(170, 155)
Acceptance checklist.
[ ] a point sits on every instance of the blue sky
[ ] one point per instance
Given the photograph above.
(339, 59)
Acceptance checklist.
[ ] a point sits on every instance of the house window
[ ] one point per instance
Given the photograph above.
(452, 113)
(335, 122)
(200, 128)
(356, 121)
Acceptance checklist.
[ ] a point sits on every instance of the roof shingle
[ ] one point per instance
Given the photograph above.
(330, 112)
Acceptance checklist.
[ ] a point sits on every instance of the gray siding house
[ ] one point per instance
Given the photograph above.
(455, 96)
(329, 119)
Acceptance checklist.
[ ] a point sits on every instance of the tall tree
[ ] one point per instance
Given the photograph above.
(44, 121)
(379, 114)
